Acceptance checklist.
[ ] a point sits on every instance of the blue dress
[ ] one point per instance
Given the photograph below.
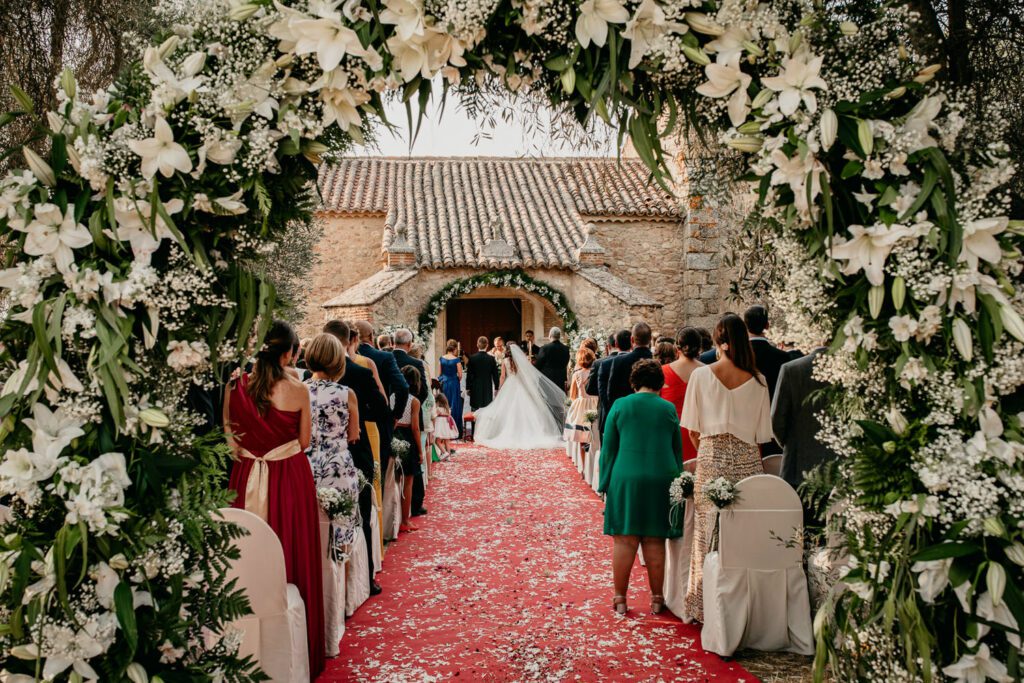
(452, 389)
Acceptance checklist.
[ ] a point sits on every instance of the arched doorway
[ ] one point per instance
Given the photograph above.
(490, 311)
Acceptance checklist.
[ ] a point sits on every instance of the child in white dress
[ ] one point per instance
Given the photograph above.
(444, 426)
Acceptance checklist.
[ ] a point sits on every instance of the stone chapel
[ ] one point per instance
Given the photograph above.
(597, 231)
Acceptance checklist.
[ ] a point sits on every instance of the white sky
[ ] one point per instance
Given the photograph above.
(456, 134)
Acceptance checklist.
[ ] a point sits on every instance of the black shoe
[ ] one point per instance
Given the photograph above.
(419, 513)
(375, 588)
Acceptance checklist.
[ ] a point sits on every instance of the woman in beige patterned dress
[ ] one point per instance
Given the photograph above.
(728, 413)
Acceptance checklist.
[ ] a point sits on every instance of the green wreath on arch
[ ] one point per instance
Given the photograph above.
(514, 279)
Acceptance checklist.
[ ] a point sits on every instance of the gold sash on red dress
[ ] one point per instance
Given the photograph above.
(258, 486)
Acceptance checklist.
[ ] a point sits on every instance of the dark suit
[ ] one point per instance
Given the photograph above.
(482, 378)
(403, 359)
(372, 408)
(708, 357)
(596, 385)
(394, 386)
(794, 419)
(553, 362)
(618, 370)
(769, 360)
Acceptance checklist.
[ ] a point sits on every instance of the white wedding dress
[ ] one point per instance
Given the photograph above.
(528, 412)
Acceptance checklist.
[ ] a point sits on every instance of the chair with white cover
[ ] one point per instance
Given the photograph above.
(334, 591)
(376, 542)
(392, 503)
(357, 587)
(755, 589)
(772, 464)
(677, 559)
(593, 462)
(275, 633)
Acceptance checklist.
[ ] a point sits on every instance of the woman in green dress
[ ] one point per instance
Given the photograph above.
(641, 453)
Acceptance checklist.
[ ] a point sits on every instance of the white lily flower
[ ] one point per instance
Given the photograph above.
(52, 431)
(867, 249)
(730, 44)
(980, 240)
(645, 28)
(726, 79)
(917, 126)
(796, 171)
(161, 153)
(406, 16)
(410, 57)
(595, 15)
(18, 466)
(797, 82)
(342, 102)
(133, 225)
(932, 577)
(978, 667)
(997, 614)
(57, 234)
(328, 38)
(220, 205)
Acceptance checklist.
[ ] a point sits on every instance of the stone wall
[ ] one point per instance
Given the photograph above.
(349, 252)
(649, 255)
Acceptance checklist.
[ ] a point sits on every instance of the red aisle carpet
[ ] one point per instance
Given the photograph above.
(509, 579)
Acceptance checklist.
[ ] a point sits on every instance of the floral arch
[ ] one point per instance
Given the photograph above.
(131, 283)
(514, 279)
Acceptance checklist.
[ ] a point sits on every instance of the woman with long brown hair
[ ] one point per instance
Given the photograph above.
(267, 423)
(728, 414)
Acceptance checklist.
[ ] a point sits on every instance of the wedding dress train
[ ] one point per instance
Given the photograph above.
(528, 412)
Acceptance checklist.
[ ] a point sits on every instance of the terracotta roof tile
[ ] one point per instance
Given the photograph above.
(451, 208)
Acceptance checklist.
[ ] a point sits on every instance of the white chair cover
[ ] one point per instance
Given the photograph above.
(334, 592)
(392, 505)
(377, 550)
(275, 633)
(772, 464)
(755, 590)
(357, 576)
(677, 560)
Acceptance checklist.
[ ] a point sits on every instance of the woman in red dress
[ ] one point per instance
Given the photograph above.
(267, 422)
(677, 374)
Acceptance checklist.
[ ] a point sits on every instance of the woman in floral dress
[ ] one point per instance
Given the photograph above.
(335, 414)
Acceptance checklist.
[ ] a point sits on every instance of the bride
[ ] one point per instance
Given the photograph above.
(528, 412)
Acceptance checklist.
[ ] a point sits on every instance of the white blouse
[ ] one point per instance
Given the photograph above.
(711, 408)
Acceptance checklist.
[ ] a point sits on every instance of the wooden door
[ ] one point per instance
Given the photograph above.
(469, 319)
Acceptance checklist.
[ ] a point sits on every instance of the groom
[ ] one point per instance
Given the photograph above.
(482, 376)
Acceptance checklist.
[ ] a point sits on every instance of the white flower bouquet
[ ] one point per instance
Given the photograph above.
(337, 505)
(400, 448)
(721, 492)
(679, 490)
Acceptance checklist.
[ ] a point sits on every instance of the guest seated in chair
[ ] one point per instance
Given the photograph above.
(641, 454)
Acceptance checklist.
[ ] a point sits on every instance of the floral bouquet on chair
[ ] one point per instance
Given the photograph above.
(339, 506)
(400, 449)
(722, 493)
(679, 490)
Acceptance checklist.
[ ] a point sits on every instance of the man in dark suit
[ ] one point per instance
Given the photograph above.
(795, 419)
(621, 342)
(482, 376)
(402, 341)
(395, 386)
(372, 408)
(529, 347)
(553, 359)
(620, 367)
(768, 357)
